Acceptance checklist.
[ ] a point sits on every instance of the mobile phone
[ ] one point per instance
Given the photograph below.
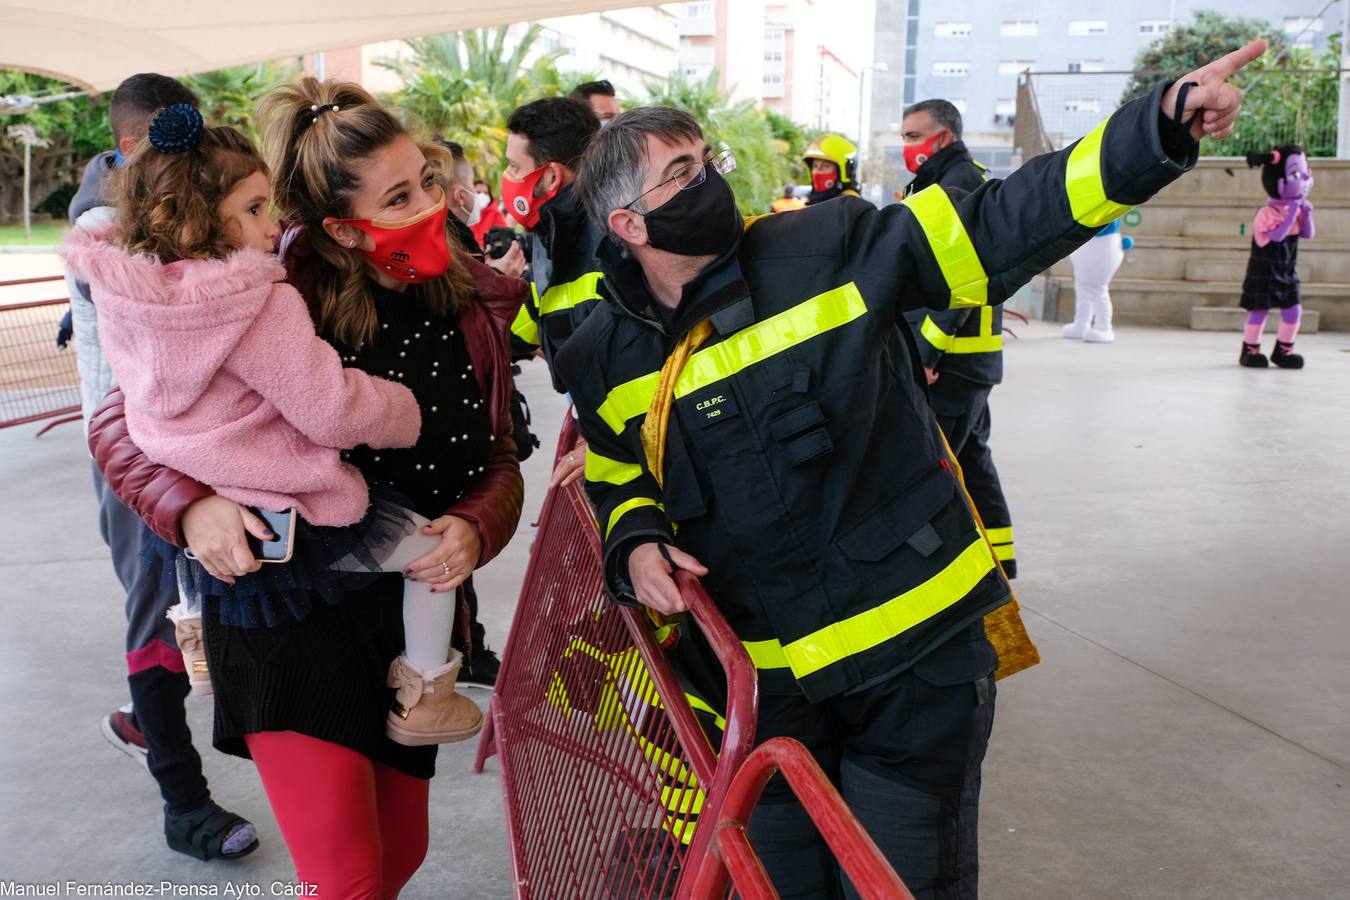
(279, 550)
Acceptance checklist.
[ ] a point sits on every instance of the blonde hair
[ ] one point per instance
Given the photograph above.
(312, 155)
(168, 204)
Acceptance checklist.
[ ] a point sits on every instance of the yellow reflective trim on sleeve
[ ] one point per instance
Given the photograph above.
(573, 293)
(698, 703)
(867, 629)
(987, 342)
(762, 340)
(753, 344)
(1083, 183)
(525, 328)
(611, 471)
(1004, 552)
(951, 246)
(626, 507)
(933, 334)
(1000, 535)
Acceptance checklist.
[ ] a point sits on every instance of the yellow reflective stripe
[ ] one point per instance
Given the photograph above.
(525, 328)
(632, 398)
(933, 334)
(573, 293)
(1004, 552)
(951, 246)
(1084, 186)
(626, 507)
(999, 535)
(762, 340)
(610, 471)
(756, 343)
(949, 343)
(879, 624)
(698, 703)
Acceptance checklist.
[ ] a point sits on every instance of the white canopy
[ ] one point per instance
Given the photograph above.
(97, 43)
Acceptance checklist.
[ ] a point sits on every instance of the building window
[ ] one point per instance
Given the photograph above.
(1301, 29)
(950, 69)
(773, 79)
(1155, 26)
(1005, 106)
(1014, 66)
(1020, 28)
(1082, 105)
(773, 56)
(1087, 27)
(1087, 65)
(952, 29)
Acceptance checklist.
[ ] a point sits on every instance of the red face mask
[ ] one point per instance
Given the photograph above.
(413, 250)
(918, 154)
(520, 200)
(823, 181)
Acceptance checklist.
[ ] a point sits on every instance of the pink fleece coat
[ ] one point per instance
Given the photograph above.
(226, 380)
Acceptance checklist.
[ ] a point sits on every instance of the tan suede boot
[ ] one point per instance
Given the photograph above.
(192, 644)
(426, 709)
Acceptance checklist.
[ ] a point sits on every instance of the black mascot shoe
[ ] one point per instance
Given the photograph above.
(1284, 356)
(1252, 357)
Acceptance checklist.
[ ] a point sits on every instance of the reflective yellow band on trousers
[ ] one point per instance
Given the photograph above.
(756, 343)
(626, 507)
(1084, 186)
(525, 328)
(699, 704)
(573, 293)
(837, 642)
(610, 471)
(1004, 552)
(986, 342)
(951, 246)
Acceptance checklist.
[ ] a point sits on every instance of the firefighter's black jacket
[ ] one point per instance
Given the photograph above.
(565, 280)
(966, 342)
(799, 468)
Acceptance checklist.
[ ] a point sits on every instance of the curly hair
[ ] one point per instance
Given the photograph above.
(168, 204)
(315, 133)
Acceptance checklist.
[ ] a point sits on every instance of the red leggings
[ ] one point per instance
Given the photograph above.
(355, 828)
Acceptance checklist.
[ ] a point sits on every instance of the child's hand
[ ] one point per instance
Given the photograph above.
(446, 567)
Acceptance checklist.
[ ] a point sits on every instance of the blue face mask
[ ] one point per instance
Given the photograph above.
(118, 158)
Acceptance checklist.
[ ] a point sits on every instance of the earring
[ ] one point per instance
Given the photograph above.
(351, 244)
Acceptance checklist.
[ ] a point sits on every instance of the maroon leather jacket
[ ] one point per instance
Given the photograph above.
(493, 502)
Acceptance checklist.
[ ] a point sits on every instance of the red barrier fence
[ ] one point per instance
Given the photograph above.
(37, 381)
(732, 860)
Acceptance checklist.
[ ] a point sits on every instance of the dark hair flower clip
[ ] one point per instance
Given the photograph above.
(176, 129)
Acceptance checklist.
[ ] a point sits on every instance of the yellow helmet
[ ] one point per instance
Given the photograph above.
(839, 150)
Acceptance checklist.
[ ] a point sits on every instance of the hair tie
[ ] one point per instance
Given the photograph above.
(320, 110)
(1275, 157)
(176, 129)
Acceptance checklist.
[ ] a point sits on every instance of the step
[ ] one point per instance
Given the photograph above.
(1193, 259)
(1149, 301)
(1161, 219)
(1234, 318)
(1223, 176)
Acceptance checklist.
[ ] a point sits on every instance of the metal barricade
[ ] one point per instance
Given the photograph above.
(731, 861)
(37, 381)
(605, 769)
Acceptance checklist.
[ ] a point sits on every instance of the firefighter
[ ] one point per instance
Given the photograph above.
(544, 143)
(789, 201)
(961, 349)
(832, 162)
(745, 426)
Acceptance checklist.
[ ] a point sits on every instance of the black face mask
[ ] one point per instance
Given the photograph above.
(698, 221)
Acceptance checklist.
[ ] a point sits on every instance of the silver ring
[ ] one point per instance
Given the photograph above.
(571, 458)
(445, 566)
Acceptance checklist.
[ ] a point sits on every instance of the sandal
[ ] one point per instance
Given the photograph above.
(204, 831)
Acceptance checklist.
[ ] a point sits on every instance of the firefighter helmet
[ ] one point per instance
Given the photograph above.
(839, 150)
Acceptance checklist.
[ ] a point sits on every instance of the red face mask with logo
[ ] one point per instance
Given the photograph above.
(412, 250)
(918, 154)
(823, 181)
(520, 200)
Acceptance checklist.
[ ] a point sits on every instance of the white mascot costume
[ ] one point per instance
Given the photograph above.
(1094, 265)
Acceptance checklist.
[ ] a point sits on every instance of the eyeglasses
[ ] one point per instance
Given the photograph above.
(693, 174)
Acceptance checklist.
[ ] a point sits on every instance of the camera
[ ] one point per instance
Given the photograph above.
(497, 242)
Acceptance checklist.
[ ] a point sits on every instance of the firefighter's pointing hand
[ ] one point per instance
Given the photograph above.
(1211, 104)
(650, 573)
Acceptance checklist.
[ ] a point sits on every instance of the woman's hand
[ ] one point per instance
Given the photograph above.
(446, 567)
(571, 467)
(217, 533)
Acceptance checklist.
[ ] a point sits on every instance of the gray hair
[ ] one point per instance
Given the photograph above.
(943, 112)
(615, 164)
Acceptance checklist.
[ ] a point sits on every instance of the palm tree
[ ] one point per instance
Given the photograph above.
(229, 96)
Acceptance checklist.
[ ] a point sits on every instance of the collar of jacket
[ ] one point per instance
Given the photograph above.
(720, 292)
(562, 221)
(821, 196)
(931, 172)
(466, 239)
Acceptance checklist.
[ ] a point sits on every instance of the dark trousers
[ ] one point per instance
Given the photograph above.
(157, 691)
(906, 755)
(962, 409)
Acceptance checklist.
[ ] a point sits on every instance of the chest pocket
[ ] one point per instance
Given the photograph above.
(801, 432)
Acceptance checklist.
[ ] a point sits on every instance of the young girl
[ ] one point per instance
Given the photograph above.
(227, 381)
(1272, 268)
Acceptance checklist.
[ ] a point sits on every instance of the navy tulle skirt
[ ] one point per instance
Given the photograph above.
(327, 563)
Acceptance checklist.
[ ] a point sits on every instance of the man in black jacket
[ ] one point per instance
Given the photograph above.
(776, 454)
(961, 349)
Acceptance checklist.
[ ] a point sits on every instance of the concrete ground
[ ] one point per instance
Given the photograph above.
(1179, 524)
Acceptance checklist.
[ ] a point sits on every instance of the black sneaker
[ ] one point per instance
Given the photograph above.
(481, 670)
